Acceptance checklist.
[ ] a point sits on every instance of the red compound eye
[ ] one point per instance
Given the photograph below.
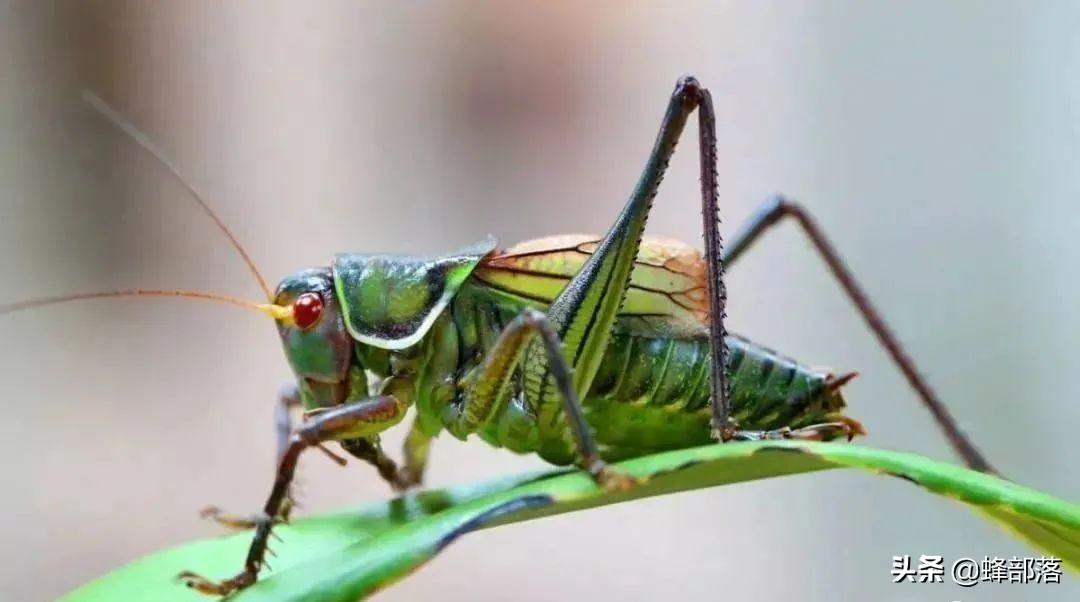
(307, 309)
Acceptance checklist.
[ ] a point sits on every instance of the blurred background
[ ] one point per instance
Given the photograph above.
(936, 142)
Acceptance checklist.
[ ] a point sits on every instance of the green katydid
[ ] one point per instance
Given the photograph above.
(583, 350)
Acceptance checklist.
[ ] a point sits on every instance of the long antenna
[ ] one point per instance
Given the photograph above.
(129, 128)
(136, 292)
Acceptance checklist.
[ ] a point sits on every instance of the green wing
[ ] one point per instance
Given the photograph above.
(667, 295)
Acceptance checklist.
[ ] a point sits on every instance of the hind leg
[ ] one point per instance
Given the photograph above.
(776, 209)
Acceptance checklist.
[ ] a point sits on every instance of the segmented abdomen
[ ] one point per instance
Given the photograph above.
(767, 389)
(653, 393)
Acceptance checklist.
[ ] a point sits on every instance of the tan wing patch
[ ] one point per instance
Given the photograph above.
(669, 277)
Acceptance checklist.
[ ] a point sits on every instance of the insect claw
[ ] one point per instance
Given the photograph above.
(614, 481)
(226, 520)
(185, 576)
(854, 427)
(201, 584)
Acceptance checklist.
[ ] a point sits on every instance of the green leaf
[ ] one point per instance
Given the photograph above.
(346, 555)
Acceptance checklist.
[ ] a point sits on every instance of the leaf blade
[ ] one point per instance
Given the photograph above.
(350, 554)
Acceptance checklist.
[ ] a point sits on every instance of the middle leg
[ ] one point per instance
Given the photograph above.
(490, 389)
(778, 208)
